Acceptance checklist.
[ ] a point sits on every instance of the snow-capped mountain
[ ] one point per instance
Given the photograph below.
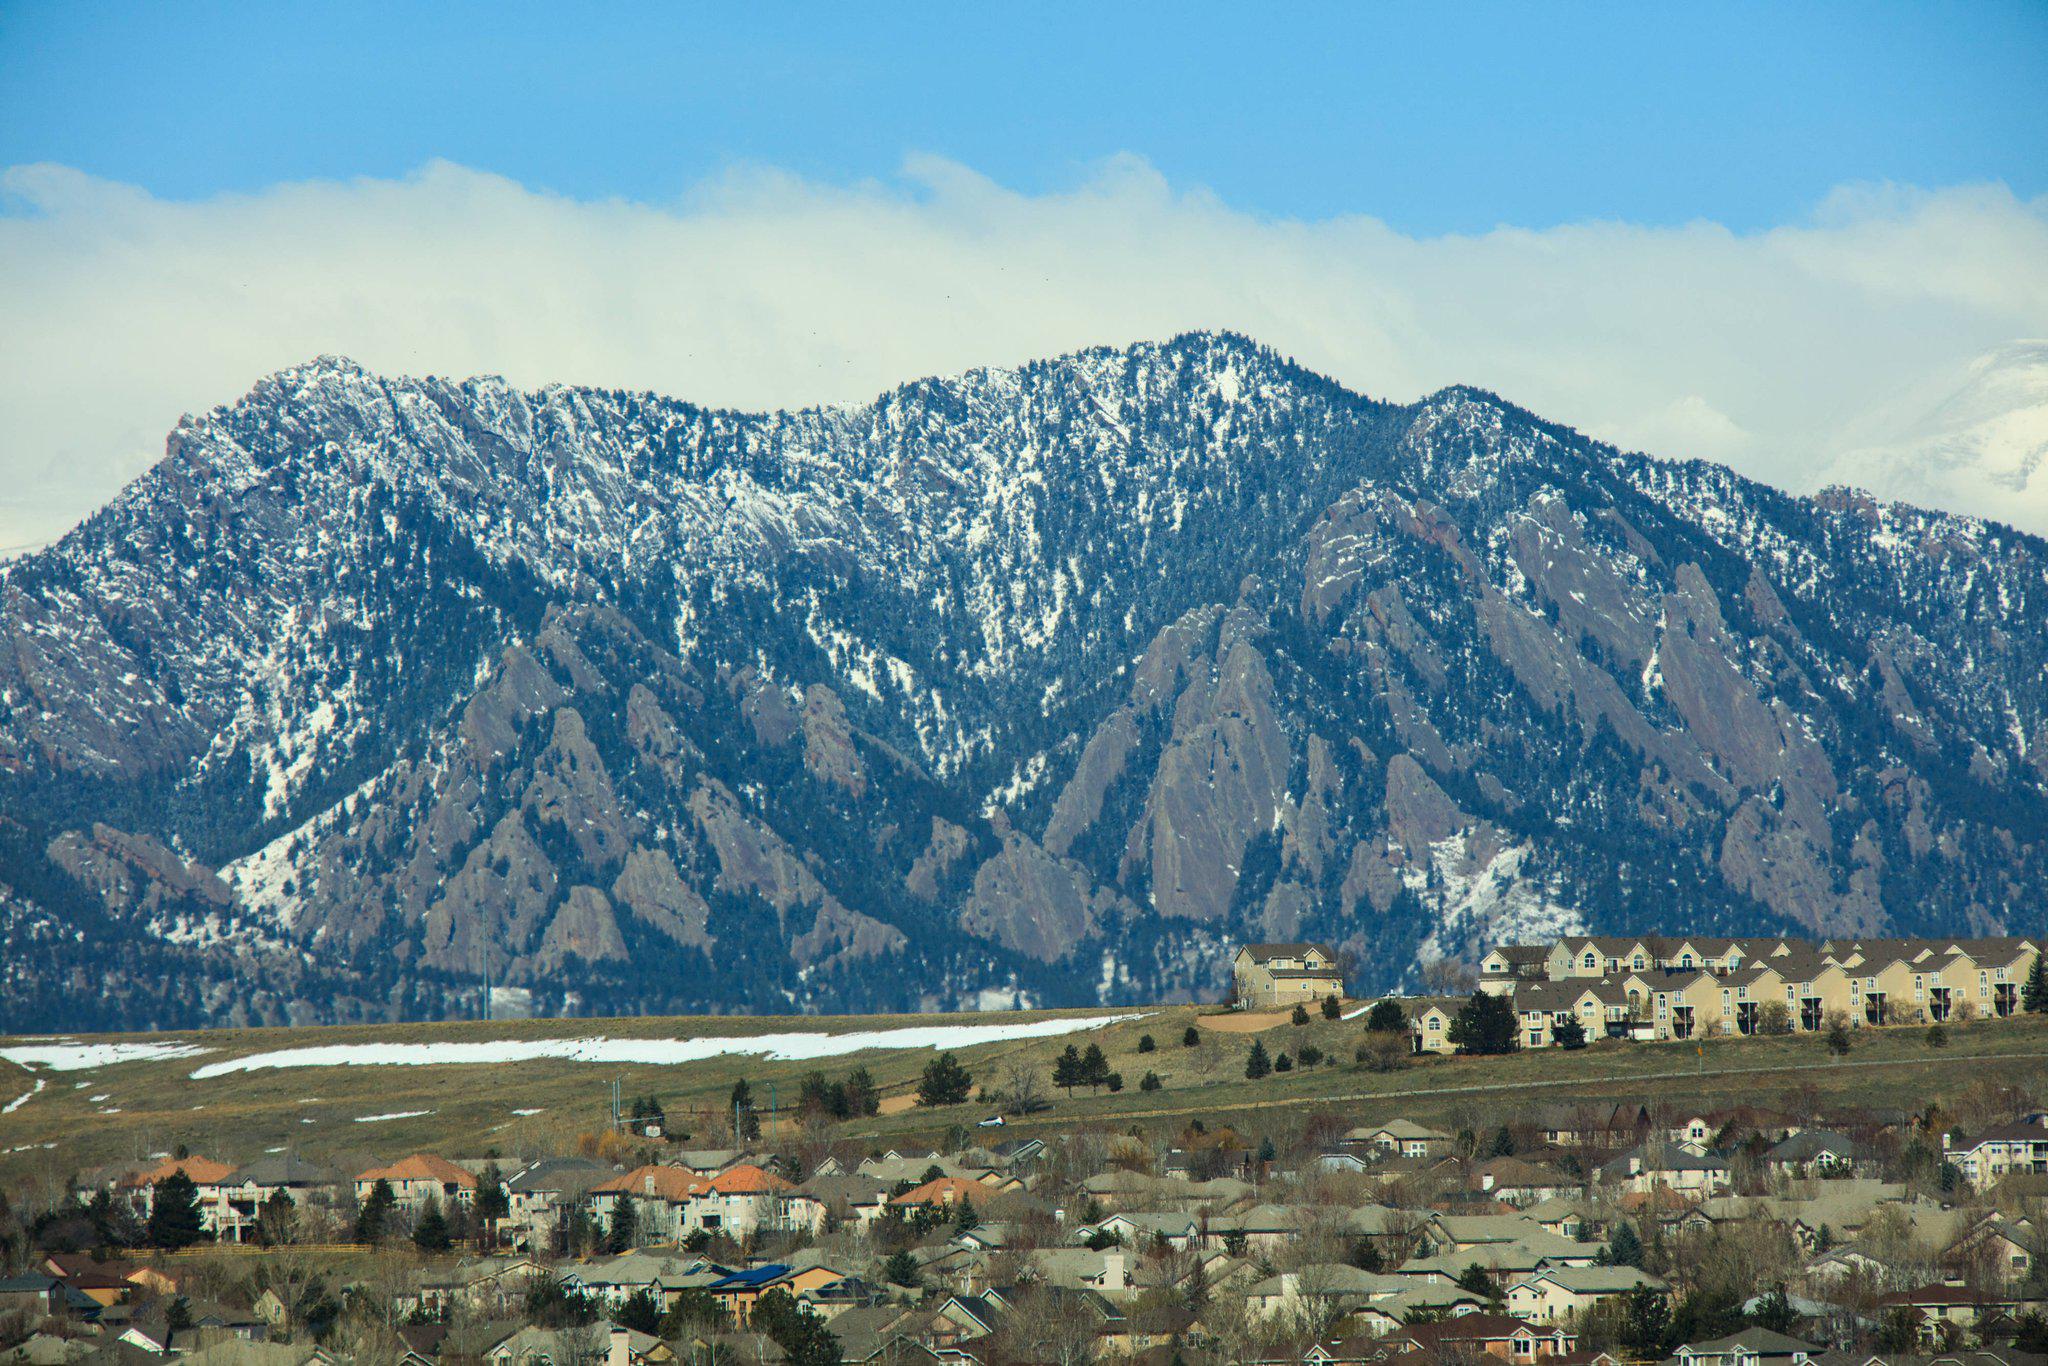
(1042, 685)
(1982, 448)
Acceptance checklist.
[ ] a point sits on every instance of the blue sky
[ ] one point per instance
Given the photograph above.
(1432, 118)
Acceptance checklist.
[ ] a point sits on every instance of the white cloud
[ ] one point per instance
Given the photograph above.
(1774, 352)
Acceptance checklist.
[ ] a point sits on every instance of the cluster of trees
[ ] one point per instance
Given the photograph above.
(854, 1097)
(1090, 1069)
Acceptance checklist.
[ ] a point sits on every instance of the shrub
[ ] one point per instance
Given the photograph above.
(1300, 1015)
(1150, 1082)
(1191, 1037)
(1382, 1052)
(1283, 1063)
(1145, 1044)
(1333, 1009)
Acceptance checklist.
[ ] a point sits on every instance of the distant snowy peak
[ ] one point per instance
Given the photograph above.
(1983, 449)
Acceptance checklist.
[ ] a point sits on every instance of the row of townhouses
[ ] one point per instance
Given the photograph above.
(1661, 987)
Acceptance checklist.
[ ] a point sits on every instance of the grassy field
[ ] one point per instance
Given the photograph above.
(125, 1112)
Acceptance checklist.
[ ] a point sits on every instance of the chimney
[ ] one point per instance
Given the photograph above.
(1113, 1277)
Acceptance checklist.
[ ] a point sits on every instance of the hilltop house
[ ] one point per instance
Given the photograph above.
(1271, 975)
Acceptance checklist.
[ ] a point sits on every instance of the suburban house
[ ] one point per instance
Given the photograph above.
(413, 1180)
(1750, 1347)
(1554, 1293)
(1273, 975)
(2000, 1151)
(1494, 1335)
(1402, 1136)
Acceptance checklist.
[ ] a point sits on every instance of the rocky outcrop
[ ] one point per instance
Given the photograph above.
(947, 846)
(828, 743)
(1220, 781)
(1029, 900)
(583, 931)
(650, 887)
(137, 875)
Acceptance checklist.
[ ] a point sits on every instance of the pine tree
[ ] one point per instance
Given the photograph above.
(625, 1223)
(945, 1082)
(492, 1203)
(1066, 1070)
(745, 1120)
(2034, 995)
(1624, 1246)
(430, 1234)
(1258, 1064)
(1485, 1025)
(901, 1269)
(1333, 1009)
(374, 1217)
(1094, 1067)
(1145, 1043)
(174, 1219)
(1190, 1037)
(1386, 1017)
(1300, 1015)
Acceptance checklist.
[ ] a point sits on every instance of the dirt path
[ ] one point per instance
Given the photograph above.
(1341, 1098)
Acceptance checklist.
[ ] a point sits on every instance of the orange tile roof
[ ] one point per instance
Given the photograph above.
(421, 1167)
(204, 1171)
(943, 1190)
(674, 1184)
(747, 1180)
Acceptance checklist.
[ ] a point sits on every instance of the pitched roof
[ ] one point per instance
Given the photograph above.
(1258, 951)
(285, 1169)
(672, 1184)
(943, 1190)
(748, 1180)
(203, 1171)
(421, 1167)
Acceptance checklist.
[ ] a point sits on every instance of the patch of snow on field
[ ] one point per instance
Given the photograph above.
(525, 1113)
(22, 1099)
(395, 1114)
(81, 1057)
(656, 1052)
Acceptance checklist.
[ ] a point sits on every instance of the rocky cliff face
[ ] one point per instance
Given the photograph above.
(1043, 685)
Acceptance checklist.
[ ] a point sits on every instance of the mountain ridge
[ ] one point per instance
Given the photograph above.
(1043, 683)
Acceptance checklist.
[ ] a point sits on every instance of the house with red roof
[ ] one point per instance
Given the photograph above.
(413, 1179)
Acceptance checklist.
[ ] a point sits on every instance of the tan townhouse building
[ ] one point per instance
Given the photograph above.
(1276, 975)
